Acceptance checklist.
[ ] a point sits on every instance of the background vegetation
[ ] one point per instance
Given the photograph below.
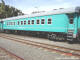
(8, 11)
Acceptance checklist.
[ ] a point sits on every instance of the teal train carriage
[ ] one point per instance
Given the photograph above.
(1, 26)
(61, 24)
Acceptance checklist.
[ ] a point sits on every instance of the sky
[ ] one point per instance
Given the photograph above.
(28, 6)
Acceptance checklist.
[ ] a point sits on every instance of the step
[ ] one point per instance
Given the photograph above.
(70, 36)
(70, 39)
(70, 30)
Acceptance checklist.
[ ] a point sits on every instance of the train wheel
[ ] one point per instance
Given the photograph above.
(70, 42)
(49, 36)
(78, 38)
(52, 36)
(63, 38)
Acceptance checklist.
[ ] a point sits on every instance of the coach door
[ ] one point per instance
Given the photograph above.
(71, 21)
(71, 26)
(1, 25)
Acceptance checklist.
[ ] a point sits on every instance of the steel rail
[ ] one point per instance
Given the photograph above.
(12, 54)
(65, 51)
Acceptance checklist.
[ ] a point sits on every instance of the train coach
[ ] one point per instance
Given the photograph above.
(1, 27)
(61, 24)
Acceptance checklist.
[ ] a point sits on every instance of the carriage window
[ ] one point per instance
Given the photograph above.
(7, 23)
(49, 21)
(18, 22)
(28, 21)
(71, 17)
(32, 21)
(14, 23)
(24, 22)
(42, 21)
(10, 23)
(21, 22)
(71, 20)
(38, 21)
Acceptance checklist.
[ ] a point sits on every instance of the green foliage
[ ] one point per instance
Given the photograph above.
(8, 11)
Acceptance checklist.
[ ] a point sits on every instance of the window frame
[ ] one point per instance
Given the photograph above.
(10, 23)
(14, 23)
(21, 22)
(38, 21)
(29, 22)
(41, 21)
(25, 22)
(7, 23)
(49, 21)
(32, 22)
(18, 23)
(71, 21)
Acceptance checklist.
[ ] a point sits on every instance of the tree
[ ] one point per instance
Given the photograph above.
(2, 9)
(8, 11)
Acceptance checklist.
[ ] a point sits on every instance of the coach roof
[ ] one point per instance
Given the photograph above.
(58, 11)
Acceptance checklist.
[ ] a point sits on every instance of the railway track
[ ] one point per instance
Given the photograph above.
(51, 48)
(6, 55)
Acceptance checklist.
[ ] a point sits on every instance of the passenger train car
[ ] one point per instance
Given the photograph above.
(61, 24)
